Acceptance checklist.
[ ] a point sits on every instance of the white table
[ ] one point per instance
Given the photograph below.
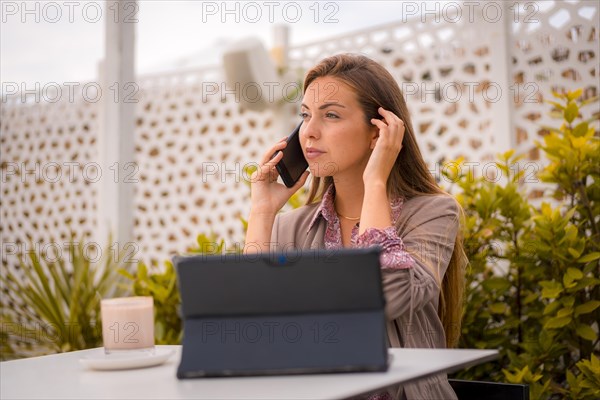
(61, 376)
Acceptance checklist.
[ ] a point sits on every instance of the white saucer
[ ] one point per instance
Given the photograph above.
(101, 361)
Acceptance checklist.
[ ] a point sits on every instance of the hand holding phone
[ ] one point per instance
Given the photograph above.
(293, 164)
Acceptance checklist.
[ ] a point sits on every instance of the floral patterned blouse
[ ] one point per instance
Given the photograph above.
(393, 254)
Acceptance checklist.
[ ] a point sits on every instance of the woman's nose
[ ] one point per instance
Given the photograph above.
(310, 129)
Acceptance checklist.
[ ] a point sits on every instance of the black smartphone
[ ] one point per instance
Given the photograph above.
(293, 163)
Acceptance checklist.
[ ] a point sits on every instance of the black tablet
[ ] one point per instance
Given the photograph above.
(309, 311)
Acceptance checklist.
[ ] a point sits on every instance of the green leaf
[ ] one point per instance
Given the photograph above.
(551, 290)
(595, 364)
(574, 273)
(589, 257)
(587, 307)
(581, 129)
(567, 301)
(46, 293)
(571, 112)
(557, 322)
(579, 143)
(585, 283)
(573, 252)
(571, 379)
(551, 308)
(586, 332)
(531, 297)
(498, 308)
(557, 105)
(126, 274)
(496, 283)
(564, 312)
(572, 95)
(571, 277)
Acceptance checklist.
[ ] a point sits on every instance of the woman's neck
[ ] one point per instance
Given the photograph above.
(349, 197)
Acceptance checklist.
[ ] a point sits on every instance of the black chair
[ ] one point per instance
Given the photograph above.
(479, 390)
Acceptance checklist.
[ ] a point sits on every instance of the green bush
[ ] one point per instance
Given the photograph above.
(532, 284)
(52, 304)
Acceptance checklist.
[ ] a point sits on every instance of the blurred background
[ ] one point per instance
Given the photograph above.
(116, 117)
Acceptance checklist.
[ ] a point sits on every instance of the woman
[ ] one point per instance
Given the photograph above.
(370, 186)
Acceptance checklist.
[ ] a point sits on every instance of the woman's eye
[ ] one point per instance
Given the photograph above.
(303, 115)
(331, 115)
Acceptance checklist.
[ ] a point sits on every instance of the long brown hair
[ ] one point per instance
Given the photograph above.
(375, 87)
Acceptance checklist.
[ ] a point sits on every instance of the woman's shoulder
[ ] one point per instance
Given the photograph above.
(428, 214)
(437, 204)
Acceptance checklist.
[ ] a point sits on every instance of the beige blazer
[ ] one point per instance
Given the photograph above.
(428, 226)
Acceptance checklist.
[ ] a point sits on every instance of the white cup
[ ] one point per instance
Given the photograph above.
(128, 324)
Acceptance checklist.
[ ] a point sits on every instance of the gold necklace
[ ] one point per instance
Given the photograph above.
(349, 218)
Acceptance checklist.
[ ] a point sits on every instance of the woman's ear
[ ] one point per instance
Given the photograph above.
(374, 136)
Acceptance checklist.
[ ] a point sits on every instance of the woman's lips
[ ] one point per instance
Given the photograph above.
(312, 153)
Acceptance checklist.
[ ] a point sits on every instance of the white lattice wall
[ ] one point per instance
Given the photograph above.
(48, 176)
(191, 152)
(191, 156)
(559, 53)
